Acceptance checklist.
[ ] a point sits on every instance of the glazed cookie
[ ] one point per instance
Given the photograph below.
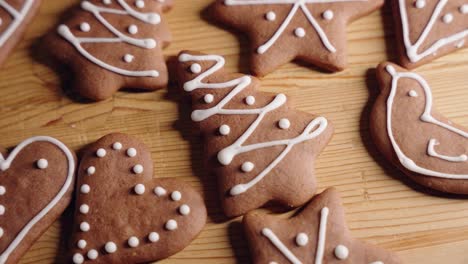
(123, 215)
(36, 184)
(15, 15)
(413, 136)
(113, 44)
(283, 30)
(259, 147)
(317, 234)
(427, 29)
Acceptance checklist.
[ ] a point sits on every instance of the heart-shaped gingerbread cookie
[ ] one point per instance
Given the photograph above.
(123, 215)
(36, 183)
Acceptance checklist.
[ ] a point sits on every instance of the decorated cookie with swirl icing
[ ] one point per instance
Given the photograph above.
(123, 215)
(428, 29)
(113, 44)
(280, 31)
(409, 131)
(259, 148)
(15, 15)
(316, 235)
(36, 183)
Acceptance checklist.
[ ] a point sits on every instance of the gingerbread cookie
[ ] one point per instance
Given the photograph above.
(317, 234)
(15, 15)
(427, 29)
(113, 44)
(123, 215)
(406, 128)
(259, 148)
(283, 30)
(36, 184)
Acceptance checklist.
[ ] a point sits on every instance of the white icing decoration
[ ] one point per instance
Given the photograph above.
(1, 232)
(284, 123)
(18, 18)
(128, 58)
(208, 98)
(117, 146)
(85, 189)
(171, 225)
(160, 191)
(322, 235)
(328, 15)
(302, 239)
(81, 244)
(247, 166)
(85, 227)
(176, 196)
(5, 165)
(184, 209)
(107, 2)
(84, 209)
(268, 233)
(93, 254)
(412, 50)
(448, 18)
(425, 117)
(110, 247)
(148, 43)
(420, 4)
(85, 27)
(78, 258)
(250, 100)
(140, 4)
(225, 156)
(224, 130)
(42, 164)
(2, 190)
(341, 252)
(139, 189)
(413, 93)
(131, 152)
(91, 170)
(101, 153)
(432, 152)
(195, 68)
(2, 210)
(138, 169)
(377, 262)
(133, 29)
(153, 237)
(133, 242)
(270, 16)
(299, 32)
(464, 9)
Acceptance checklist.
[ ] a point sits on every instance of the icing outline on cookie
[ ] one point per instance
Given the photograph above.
(18, 17)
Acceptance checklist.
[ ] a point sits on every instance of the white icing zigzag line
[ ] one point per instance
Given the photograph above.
(18, 17)
(225, 156)
(268, 233)
(151, 18)
(425, 117)
(412, 49)
(432, 152)
(5, 165)
(296, 5)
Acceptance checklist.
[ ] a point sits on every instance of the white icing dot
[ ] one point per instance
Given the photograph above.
(341, 252)
(93, 254)
(78, 258)
(270, 16)
(176, 196)
(273, 262)
(128, 58)
(160, 191)
(117, 146)
(195, 68)
(299, 32)
(140, 3)
(82, 243)
(91, 170)
(328, 15)
(84, 209)
(101, 153)
(420, 4)
(184, 209)
(85, 27)
(85, 188)
(448, 18)
(2, 210)
(84, 226)
(302, 239)
(171, 225)
(153, 237)
(284, 123)
(2, 190)
(42, 164)
(1, 232)
(208, 98)
(133, 29)
(250, 100)
(133, 242)
(247, 166)
(464, 9)
(110, 247)
(413, 93)
(107, 2)
(138, 169)
(131, 152)
(224, 130)
(139, 189)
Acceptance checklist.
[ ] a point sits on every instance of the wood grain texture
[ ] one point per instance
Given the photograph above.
(422, 226)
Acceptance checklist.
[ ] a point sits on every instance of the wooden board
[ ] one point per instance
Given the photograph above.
(420, 226)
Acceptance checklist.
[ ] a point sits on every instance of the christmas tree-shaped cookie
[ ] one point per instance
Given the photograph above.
(113, 44)
(259, 148)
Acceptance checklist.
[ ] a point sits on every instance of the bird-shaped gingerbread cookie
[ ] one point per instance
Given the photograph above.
(407, 129)
(317, 234)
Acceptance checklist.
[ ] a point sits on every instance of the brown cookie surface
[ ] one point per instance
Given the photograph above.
(36, 183)
(411, 134)
(259, 148)
(110, 45)
(317, 234)
(123, 215)
(427, 29)
(280, 31)
(15, 15)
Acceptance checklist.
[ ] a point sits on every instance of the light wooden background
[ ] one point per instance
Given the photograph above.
(421, 226)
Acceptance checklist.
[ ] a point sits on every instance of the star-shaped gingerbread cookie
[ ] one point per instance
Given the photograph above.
(283, 30)
(318, 234)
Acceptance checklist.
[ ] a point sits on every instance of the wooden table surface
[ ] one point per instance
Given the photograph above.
(421, 226)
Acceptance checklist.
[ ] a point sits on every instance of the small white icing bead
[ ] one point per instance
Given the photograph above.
(247, 166)
(2, 190)
(110, 247)
(101, 153)
(284, 123)
(464, 9)
(270, 16)
(85, 188)
(140, 3)
(224, 130)
(160, 191)
(328, 15)
(85, 27)
(413, 93)
(139, 189)
(195, 68)
(1, 232)
(448, 18)
(273, 262)
(2, 210)
(133, 242)
(128, 58)
(420, 4)
(78, 258)
(184, 209)
(208, 98)
(85, 227)
(171, 225)
(84, 209)
(117, 146)
(341, 252)
(377, 262)
(133, 29)
(302, 239)
(82, 243)
(250, 100)
(176, 196)
(131, 152)
(42, 164)
(153, 237)
(299, 32)
(93, 254)
(91, 170)
(107, 2)
(138, 169)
